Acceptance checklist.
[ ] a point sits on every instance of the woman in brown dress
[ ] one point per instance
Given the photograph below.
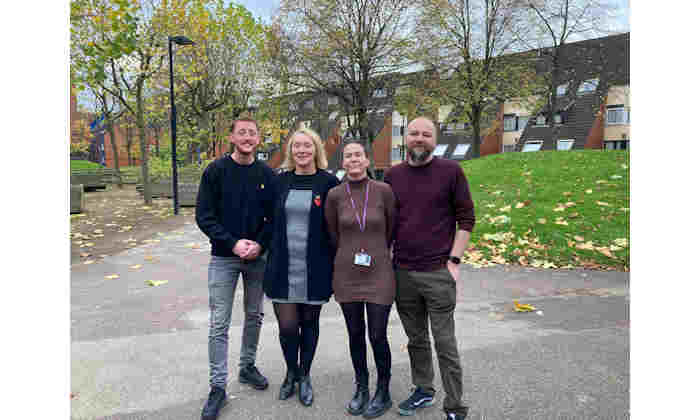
(359, 213)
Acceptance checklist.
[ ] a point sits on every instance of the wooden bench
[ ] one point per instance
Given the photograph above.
(186, 191)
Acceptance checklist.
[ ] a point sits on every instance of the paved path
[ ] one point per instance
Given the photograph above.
(139, 352)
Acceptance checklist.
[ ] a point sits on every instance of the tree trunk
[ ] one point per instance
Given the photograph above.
(115, 153)
(147, 199)
(476, 135)
(129, 140)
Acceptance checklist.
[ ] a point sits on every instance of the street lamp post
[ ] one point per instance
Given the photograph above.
(179, 40)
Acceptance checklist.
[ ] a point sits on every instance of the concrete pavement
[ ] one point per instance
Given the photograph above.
(140, 352)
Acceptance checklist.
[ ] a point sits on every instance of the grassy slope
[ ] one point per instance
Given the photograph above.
(595, 235)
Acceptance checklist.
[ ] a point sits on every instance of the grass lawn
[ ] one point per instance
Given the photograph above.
(84, 164)
(551, 209)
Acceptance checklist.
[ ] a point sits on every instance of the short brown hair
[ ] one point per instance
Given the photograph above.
(246, 119)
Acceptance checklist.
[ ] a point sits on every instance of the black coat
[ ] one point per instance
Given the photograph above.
(320, 253)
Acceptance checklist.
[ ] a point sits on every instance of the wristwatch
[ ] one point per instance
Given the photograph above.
(454, 260)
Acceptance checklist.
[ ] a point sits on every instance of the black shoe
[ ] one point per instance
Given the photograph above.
(288, 386)
(359, 401)
(306, 392)
(455, 416)
(419, 399)
(251, 375)
(217, 399)
(379, 404)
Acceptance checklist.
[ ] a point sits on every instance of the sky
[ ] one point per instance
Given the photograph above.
(265, 9)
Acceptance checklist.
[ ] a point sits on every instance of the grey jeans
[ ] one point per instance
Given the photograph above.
(223, 276)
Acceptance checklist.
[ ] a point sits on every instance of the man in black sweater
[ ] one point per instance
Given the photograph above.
(234, 209)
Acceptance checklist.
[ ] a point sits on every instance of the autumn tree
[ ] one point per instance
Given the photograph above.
(555, 24)
(471, 46)
(116, 46)
(220, 73)
(347, 49)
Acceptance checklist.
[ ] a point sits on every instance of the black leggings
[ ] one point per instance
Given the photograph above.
(298, 325)
(377, 320)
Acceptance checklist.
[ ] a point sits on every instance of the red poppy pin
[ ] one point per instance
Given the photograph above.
(317, 201)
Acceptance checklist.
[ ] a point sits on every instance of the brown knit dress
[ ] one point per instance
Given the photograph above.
(351, 282)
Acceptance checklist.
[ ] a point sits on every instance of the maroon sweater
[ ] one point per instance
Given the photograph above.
(431, 200)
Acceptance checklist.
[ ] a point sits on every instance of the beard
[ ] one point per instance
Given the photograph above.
(419, 157)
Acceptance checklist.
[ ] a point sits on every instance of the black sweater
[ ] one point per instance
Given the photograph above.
(235, 202)
(319, 250)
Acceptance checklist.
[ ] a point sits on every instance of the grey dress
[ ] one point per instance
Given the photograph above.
(297, 208)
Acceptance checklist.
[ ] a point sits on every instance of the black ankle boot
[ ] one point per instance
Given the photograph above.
(380, 403)
(288, 386)
(358, 403)
(306, 392)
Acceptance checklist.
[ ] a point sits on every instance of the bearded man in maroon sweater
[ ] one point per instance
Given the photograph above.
(434, 220)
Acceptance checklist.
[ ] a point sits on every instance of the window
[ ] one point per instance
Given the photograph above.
(396, 131)
(561, 89)
(395, 153)
(522, 121)
(541, 120)
(510, 122)
(588, 86)
(440, 150)
(309, 104)
(340, 174)
(565, 144)
(558, 118)
(379, 93)
(532, 146)
(616, 114)
(460, 151)
(332, 100)
(617, 145)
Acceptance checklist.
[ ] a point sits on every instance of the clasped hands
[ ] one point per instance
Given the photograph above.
(247, 249)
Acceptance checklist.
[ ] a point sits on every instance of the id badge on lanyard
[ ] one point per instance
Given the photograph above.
(362, 258)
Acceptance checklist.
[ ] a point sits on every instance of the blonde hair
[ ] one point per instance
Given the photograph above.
(320, 158)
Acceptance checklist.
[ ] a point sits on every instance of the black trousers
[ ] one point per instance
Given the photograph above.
(377, 320)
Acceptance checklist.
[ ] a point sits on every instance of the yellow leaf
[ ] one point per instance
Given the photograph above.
(156, 282)
(602, 203)
(562, 222)
(522, 307)
(569, 204)
(505, 209)
(621, 242)
(89, 262)
(542, 221)
(589, 191)
(136, 267)
(112, 276)
(519, 205)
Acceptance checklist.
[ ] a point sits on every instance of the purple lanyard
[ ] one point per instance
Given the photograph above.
(362, 223)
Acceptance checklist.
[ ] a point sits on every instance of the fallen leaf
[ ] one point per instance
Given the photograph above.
(89, 262)
(589, 191)
(505, 209)
(136, 267)
(112, 276)
(578, 238)
(602, 203)
(155, 282)
(621, 242)
(85, 254)
(542, 221)
(522, 307)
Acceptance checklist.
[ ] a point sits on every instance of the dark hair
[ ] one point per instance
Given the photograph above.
(361, 143)
(246, 119)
